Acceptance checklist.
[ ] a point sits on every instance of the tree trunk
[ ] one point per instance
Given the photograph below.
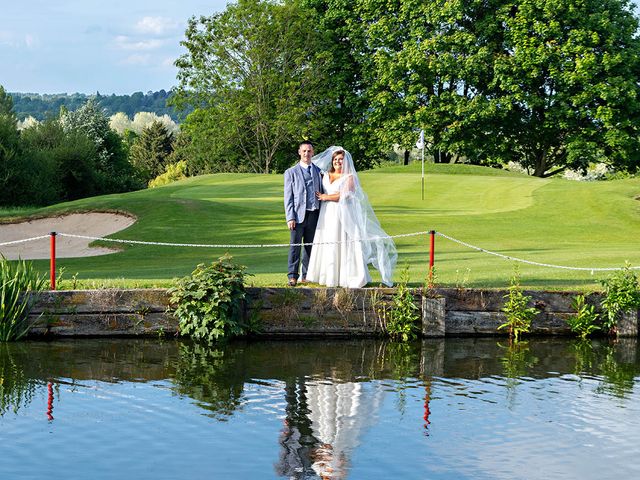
(540, 164)
(406, 157)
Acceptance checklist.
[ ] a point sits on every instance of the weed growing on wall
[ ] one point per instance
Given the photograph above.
(209, 302)
(583, 322)
(621, 294)
(516, 309)
(403, 319)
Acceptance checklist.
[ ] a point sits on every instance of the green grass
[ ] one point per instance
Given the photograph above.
(553, 221)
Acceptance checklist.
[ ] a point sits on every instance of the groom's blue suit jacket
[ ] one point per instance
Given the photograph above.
(295, 192)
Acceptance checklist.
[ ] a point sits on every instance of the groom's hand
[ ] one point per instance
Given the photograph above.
(291, 224)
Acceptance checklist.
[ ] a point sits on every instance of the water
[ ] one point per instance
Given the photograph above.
(442, 409)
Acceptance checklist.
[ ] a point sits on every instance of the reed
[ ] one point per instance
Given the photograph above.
(19, 286)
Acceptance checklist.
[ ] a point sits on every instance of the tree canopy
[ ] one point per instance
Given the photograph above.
(255, 75)
(548, 84)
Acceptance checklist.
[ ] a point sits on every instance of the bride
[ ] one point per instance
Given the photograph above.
(348, 236)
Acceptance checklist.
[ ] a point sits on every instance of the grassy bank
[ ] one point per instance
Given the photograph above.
(552, 221)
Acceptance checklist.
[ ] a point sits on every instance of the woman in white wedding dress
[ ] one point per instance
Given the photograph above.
(348, 236)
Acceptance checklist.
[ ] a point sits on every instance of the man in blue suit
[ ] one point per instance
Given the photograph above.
(301, 207)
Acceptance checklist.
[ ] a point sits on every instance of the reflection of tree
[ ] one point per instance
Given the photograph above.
(208, 375)
(16, 389)
(404, 359)
(618, 376)
(606, 360)
(584, 353)
(517, 361)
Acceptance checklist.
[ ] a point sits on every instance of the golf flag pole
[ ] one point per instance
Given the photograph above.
(420, 146)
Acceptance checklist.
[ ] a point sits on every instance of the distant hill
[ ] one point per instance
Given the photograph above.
(41, 106)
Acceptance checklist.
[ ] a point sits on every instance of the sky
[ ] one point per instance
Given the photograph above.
(89, 46)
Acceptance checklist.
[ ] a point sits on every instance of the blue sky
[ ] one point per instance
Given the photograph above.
(114, 46)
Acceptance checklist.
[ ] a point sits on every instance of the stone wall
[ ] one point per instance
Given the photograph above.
(304, 311)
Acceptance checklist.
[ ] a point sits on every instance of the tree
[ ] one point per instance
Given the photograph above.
(62, 164)
(114, 172)
(548, 84)
(150, 151)
(10, 170)
(256, 71)
(571, 82)
(6, 103)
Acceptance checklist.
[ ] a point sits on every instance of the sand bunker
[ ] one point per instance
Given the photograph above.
(90, 224)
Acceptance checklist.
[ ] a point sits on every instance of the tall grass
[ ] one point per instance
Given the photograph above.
(19, 285)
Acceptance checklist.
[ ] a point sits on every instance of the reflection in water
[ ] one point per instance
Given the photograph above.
(208, 375)
(327, 409)
(339, 414)
(16, 388)
(49, 401)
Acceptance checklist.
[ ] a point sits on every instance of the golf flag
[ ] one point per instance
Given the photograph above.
(420, 146)
(420, 142)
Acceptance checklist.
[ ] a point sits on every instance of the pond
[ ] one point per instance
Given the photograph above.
(437, 409)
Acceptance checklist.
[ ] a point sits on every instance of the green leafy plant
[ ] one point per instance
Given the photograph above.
(209, 302)
(19, 285)
(403, 321)
(584, 321)
(621, 294)
(516, 308)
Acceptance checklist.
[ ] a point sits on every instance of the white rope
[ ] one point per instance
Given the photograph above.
(529, 262)
(24, 240)
(278, 245)
(201, 245)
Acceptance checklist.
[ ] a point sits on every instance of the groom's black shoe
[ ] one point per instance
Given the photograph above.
(293, 282)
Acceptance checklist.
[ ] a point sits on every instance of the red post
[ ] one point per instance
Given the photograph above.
(52, 266)
(432, 244)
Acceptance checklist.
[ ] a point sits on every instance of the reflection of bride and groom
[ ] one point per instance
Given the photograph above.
(325, 421)
(325, 205)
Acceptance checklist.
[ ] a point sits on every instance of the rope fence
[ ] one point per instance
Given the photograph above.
(431, 233)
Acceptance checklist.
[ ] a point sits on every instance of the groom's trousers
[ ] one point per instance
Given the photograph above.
(303, 233)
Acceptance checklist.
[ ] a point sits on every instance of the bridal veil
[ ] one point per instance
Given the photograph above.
(358, 219)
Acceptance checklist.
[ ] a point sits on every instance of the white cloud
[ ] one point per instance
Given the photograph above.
(137, 59)
(127, 43)
(156, 25)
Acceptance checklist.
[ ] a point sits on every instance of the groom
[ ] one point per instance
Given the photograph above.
(301, 207)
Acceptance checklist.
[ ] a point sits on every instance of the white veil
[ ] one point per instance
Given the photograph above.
(357, 217)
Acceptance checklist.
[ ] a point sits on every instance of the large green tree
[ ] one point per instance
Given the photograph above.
(254, 73)
(150, 151)
(547, 83)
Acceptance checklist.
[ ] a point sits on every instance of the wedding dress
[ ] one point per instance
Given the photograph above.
(336, 264)
(352, 222)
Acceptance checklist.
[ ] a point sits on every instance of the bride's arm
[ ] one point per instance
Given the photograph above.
(325, 197)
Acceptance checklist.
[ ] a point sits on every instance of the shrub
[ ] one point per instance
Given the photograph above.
(172, 173)
(622, 294)
(19, 284)
(208, 303)
(583, 322)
